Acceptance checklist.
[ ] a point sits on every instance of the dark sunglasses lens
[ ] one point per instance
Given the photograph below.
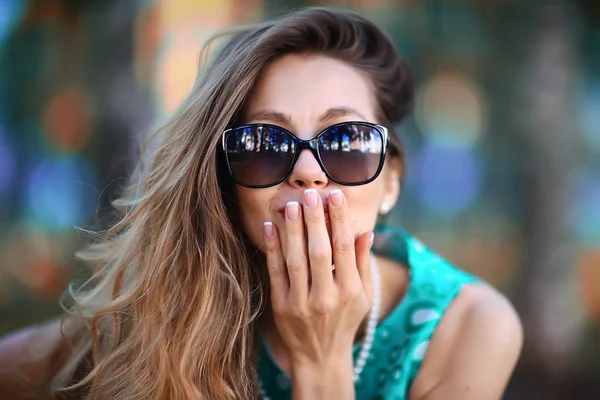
(259, 155)
(351, 153)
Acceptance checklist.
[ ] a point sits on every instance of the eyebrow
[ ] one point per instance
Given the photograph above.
(332, 113)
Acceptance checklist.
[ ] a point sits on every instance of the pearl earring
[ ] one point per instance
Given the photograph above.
(385, 208)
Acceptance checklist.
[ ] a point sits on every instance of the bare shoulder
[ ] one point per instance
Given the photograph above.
(473, 350)
(25, 357)
(481, 309)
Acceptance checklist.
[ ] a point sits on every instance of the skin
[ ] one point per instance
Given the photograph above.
(317, 312)
(296, 94)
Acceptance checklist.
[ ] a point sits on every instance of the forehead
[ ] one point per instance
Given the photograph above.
(304, 87)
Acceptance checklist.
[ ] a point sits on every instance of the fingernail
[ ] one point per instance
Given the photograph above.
(268, 230)
(371, 240)
(310, 198)
(336, 197)
(291, 210)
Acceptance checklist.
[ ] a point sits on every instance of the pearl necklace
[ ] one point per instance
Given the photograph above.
(367, 343)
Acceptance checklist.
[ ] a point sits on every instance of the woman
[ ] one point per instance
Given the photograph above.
(243, 266)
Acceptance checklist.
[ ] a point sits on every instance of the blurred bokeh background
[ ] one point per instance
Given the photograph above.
(503, 146)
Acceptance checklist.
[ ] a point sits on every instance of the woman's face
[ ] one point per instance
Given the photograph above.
(305, 94)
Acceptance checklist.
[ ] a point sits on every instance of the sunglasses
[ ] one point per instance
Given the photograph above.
(264, 155)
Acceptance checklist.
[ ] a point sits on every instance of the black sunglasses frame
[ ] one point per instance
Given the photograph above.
(313, 146)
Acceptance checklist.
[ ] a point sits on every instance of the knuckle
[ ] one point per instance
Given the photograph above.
(274, 271)
(294, 268)
(338, 214)
(312, 217)
(321, 257)
(298, 311)
(278, 308)
(352, 292)
(270, 245)
(342, 244)
(324, 306)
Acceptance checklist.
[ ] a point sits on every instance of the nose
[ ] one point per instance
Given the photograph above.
(307, 172)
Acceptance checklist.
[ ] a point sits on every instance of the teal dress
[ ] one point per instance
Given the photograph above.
(401, 339)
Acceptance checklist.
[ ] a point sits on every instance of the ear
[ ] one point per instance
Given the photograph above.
(392, 175)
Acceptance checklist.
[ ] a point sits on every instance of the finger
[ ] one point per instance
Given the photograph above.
(319, 247)
(363, 262)
(278, 276)
(342, 240)
(295, 256)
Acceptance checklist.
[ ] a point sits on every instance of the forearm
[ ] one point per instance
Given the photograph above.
(324, 381)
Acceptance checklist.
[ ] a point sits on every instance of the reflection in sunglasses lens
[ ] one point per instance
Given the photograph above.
(261, 155)
(351, 153)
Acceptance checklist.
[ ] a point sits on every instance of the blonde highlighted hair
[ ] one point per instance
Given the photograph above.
(171, 309)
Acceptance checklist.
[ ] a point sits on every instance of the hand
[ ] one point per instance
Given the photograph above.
(317, 311)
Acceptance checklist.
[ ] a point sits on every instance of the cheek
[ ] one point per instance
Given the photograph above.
(254, 210)
(363, 206)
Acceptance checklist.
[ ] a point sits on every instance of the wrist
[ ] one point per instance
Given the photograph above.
(337, 367)
(324, 379)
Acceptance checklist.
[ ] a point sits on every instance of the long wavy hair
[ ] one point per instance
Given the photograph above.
(171, 309)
